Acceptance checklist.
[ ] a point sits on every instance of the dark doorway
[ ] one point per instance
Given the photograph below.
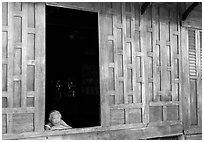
(72, 66)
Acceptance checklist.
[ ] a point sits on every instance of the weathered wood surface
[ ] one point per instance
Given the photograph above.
(104, 133)
(144, 68)
(24, 67)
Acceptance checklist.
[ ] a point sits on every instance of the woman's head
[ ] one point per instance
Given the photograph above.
(55, 117)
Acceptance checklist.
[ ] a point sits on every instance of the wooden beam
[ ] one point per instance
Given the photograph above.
(190, 8)
(144, 7)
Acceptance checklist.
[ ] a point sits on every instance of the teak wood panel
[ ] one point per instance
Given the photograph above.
(139, 58)
(143, 64)
(23, 67)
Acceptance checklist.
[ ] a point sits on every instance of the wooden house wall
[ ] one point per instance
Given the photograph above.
(23, 67)
(191, 34)
(142, 67)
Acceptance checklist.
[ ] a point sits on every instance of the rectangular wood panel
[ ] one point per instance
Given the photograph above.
(31, 15)
(4, 13)
(23, 122)
(30, 78)
(4, 77)
(21, 44)
(4, 44)
(31, 47)
(4, 123)
(17, 94)
(17, 29)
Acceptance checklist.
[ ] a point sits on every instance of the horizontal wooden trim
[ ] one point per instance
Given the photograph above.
(128, 39)
(58, 4)
(4, 60)
(5, 28)
(17, 45)
(4, 94)
(138, 54)
(110, 37)
(150, 54)
(31, 30)
(164, 103)
(193, 130)
(30, 94)
(137, 28)
(176, 33)
(123, 106)
(111, 65)
(130, 66)
(18, 110)
(137, 131)
(17, 13)
(163, 123)
(31, 62)
(17, 77)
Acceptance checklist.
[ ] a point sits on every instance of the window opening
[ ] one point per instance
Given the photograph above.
(72, 66)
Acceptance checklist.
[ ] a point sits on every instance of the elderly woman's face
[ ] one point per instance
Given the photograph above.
(55, 119)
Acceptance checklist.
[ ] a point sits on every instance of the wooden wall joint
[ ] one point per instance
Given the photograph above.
(189, 9)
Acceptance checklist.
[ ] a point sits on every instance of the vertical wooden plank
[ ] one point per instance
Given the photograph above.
(145, 109)
(115, 35)
(40, 66)
(24, 53)
(185, 78)
(103, 62)
(179, 51)
(118, 37)
(10, 65)
(134, 44)
(199, 79)
(125, 50)
(155, 36)
(163, 38)
(173, 43)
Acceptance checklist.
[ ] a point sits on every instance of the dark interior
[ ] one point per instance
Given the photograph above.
(72, 66)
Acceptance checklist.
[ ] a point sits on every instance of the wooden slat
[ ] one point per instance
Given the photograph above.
(173, 43)
(123, 106)
(164, 103)
(10, 65)
(145, 96)
(24, 53)
(126, 33)
(105, 111)
(163, 38)
(40, 66)
(155, 25)
(185, 79)
(199, 80)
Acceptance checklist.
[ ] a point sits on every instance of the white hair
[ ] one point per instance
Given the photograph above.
(53, 113)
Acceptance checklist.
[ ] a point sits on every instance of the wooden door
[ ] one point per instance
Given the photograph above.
(23, 67)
